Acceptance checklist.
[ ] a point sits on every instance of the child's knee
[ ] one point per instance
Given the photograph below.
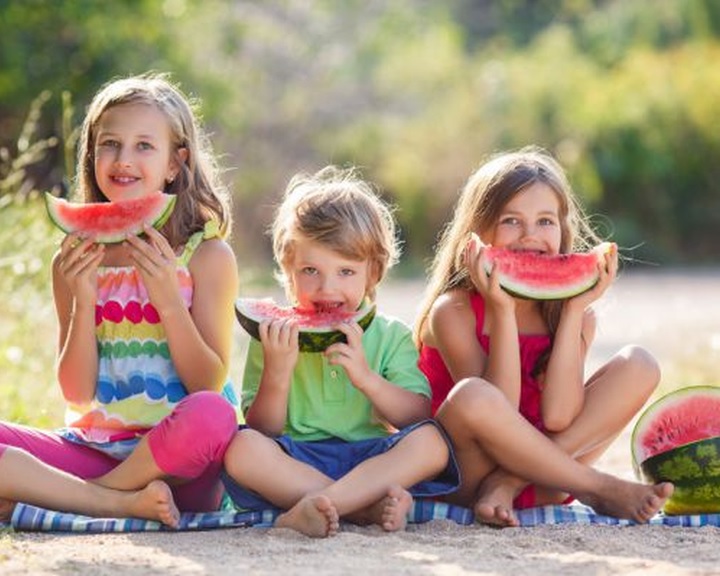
(211, 415)
(195, 435)
(471, 399)
(642, 367)
(432, 446)
(247, 445)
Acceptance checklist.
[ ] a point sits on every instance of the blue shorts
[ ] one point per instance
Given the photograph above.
(335, 458)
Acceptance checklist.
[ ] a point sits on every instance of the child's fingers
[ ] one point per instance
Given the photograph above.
(84, 254)
(75, 245)
(283, 333)
(353, 332)
(159, 242)
(147, 256)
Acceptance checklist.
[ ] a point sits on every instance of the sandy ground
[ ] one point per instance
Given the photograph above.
(674, 314)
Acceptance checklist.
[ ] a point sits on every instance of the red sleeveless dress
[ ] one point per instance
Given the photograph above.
(532, 346)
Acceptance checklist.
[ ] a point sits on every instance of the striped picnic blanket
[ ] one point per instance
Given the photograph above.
(31, 518)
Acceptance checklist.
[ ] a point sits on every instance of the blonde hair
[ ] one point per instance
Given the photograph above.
(337, 209)
(478, 208)
(201, 196)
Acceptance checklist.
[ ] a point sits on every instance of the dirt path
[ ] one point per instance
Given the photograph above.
(674, 314)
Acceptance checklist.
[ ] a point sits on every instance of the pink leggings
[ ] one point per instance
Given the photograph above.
(189, 444)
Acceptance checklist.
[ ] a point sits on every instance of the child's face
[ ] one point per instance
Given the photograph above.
(133, 151)
(324, 280)
(529, 221)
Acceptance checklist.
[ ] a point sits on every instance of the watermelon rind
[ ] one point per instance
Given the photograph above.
(694, 470)
(568, 275)
(115, 222)
(679, 417)
(310, 339)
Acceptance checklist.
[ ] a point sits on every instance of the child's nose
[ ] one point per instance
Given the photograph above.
(326, 284)
(123, 157)
(529, 230)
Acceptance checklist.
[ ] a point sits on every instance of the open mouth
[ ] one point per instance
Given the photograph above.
(124, 179)
(327, 307)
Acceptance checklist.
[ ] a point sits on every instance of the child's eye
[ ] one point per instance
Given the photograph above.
(509, 221)
(109, 143)
(347, 272)
(547, 222)
(309, 271)
(145, 146)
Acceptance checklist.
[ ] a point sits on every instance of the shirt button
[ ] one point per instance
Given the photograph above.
(333, 373)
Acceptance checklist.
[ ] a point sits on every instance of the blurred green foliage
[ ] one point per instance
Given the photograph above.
(415, 93)
(27, 242)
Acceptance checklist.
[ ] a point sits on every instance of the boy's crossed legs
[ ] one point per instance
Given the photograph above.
(372, 492)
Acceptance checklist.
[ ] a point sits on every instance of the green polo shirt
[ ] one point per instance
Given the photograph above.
(323, 403)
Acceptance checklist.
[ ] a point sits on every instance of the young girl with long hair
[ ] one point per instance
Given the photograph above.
(508, 373)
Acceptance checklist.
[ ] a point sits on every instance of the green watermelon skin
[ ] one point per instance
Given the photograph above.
(311, 339)
(694, 470)
(110, 222)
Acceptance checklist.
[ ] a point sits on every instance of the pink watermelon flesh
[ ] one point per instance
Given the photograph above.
(308, 320)
(318, 330)
(686, 415)
(543, 276)
(110, 222)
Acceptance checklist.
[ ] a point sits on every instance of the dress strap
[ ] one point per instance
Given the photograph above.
(478, 305)
(211, 230)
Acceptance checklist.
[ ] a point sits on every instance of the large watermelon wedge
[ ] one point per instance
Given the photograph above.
(677, 439)
(546, 277)
(694, 469)
(109, 222)
(317, 329)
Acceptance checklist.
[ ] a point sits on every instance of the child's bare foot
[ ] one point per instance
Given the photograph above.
(7, 507)
(494, 504)
(395, 508)
(631, 500)
(155, 502)
(314, 516)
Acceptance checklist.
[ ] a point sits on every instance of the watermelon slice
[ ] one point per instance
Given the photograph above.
(110, 222)
(317, 329)
(546, 277)
(677, 439)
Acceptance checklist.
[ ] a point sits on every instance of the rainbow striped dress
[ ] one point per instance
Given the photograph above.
(137, 383)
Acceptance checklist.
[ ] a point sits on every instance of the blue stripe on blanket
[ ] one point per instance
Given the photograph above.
(30, 518)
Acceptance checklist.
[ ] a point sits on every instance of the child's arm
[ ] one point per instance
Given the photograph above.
(74, 283)
(503, 360)
(280, 351)
(199, 339)
(396, 405)
(451, 328)
(564, 386)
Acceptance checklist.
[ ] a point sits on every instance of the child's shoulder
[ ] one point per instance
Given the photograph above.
(385, 321)
(452, 302)
(212, 254)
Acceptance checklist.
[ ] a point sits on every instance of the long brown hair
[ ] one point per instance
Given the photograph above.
(478, 207)
(201, 196)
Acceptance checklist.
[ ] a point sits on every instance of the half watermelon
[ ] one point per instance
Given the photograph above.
(318, 330)
(677, 439)
(546, 277)
(110, 222)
